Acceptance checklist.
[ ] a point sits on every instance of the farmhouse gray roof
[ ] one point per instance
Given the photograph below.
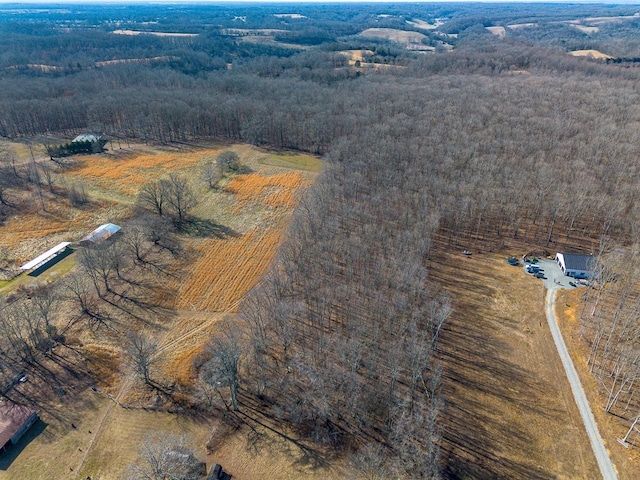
(578, 261)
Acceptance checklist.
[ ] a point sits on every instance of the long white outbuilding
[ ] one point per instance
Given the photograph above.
(46, 256)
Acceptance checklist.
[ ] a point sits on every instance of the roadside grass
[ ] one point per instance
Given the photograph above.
(509, 409)
(569, 305)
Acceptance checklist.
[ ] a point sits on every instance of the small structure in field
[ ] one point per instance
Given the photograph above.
(15, 420)
(100, 234)
(575, 265)
(216, 473)
(46, 257)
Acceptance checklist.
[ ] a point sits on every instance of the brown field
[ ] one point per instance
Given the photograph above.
(509, 409)
(40, 230)
(590, 53)
(400, 36)
(627, 461)
(585, 29)
(227, 269)
(128, 173)
(421, 24)
(275, 190)
(497, 31)
(157, 34)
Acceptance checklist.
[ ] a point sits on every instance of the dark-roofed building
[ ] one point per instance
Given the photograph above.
(575, 265)
(15, 420)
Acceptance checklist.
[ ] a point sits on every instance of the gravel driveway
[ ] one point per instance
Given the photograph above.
(554, 281)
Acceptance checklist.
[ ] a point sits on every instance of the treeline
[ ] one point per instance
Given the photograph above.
(610, 326)
(344, 329)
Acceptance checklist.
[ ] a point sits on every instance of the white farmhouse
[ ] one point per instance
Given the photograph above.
(575, 265)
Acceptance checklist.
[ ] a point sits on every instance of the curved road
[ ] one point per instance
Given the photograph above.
(604, 462)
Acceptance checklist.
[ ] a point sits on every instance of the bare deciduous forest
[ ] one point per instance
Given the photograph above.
(467, 139)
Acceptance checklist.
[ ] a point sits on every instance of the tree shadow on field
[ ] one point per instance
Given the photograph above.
(484, 386)
(204, 228)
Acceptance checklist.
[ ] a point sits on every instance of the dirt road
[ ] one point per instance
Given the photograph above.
(604, 462)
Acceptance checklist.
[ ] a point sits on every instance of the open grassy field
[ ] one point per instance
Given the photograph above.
(509, 409)
(98, 432)
(399, 36)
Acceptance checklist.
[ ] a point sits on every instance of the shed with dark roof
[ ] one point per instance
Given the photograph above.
(15, 420)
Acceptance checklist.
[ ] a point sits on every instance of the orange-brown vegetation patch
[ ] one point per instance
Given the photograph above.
(127, 174)
(274, 190)
(569, 304)
(103, 364)
(181, 366)
(227, 269)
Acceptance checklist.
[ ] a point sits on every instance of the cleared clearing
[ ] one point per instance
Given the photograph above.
(394, 35)
(590, 53)
(585, 29)
(497, 31)
(227, 269)
(421, 24)
(157, 34)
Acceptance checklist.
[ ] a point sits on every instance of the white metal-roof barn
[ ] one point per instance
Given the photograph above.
(100, 234)
(575, 265)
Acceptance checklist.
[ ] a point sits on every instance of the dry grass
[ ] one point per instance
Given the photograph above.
(123, 433)
(128, 173)
(103, 363)
(35, 231)
(585, 29)
(569, 305)
(590, 53)
(157, 34)
(275, 190)
(400, 36)
(228, 269)
(510, 412)
(499, 32)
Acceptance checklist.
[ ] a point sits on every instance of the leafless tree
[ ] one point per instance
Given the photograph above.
(180, 198)
(166, 456)
(223, 368)
(211, 174)
(228, 161)
(141, 355)
(153, 196)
